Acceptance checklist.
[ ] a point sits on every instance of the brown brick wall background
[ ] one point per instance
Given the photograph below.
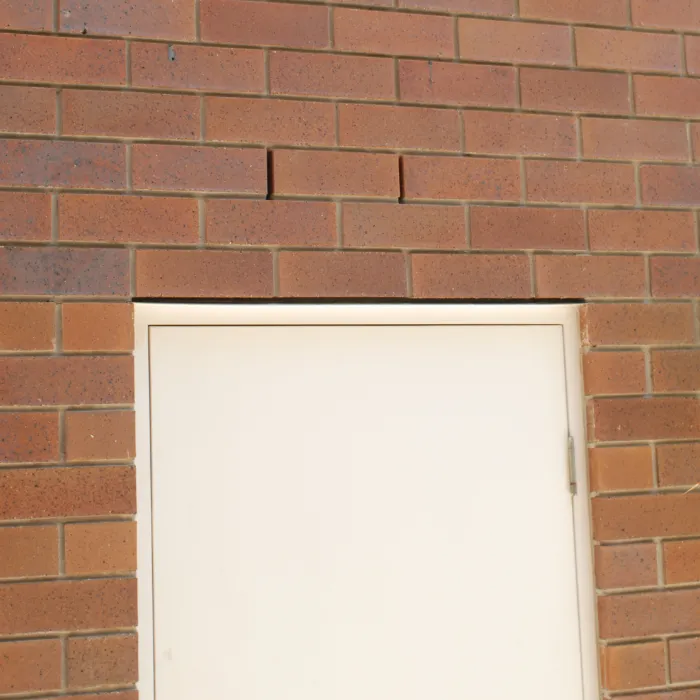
(463, 149)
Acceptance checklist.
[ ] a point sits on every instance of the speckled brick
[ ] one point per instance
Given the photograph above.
(25, 216)
(100, 435)
(620, 468)
(30, 666)
(29, 551)
(27, 110)
(100, 548)
(29, 437)
(679, 465)
(626, 565)
(97, 327)
(26, 325)
(591, 11)
(641, 230)
(30, 15)
(108, 660)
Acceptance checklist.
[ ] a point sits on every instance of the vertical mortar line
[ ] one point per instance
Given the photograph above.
(518, 99)
(637, 184)
(331, 27)
(586, 234)
(59, 111)
(654, 466)
(648, 384)
(54, 217)
(127, 156)
(684, 60)
(336, 122)
(455, 30)
(631, 96)
(533, 281)
(468, 225)
(696, 321)
(58, 328)
(202, 119)
(61, 549)
(579, 136)
(127, 57)
(62, 435)
(667, 660)
(275, 272)
(55, 19)
(660, 579)
(397, 81)
(197, 21)
(523, 180)
(408, 261)
(572, 39)
(629, 13)
(696, 224)
(462, 132)
(132, 273)
(202, 218)
(647, 275)
(64, 662)
(339, 231)
(689, 137)
(516, 7)
(266, 68)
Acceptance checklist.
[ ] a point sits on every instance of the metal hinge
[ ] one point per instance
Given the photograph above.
(572, 466)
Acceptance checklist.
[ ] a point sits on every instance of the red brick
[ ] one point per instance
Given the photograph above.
(620, 468)
(215, 274)
(385, 126)
(637, 324)
(695, 140)
(684, 657)
(199, 168)
(682, 565)
(568, 181)
(647, 614)
(457, 84)
(519, 228)
(25, 216)
(67, 60)
(62, 164)
(66, 492)
(95, 661)
(666, 96)
(336, 274)
(624, 50)
(98, 327)
(579, 91)
(26, 326)
(679, 465)
(184, 67)
(65, 271)
(514, 42)
(130, 114)
(644, 419)
(270, 222)
(273, 122)
(692, 53)
(502, 8)
(99, 435)
(127, 219)
(676, 370)
(28, 551)
(641, 230)
(38, 381)
(265, 24)
(562, 276)
(30, 666)
(461, 178)
(382, 225)
(324, 75)
(100, 548)
(335, 174)
(614, 373)
(29, 437)
(519, 134)
(675, 277)
(50, 606)
(623, 139)
(625, 566)
(678, 15)
(634, 666)
(401, 34)
(30, 15)
(670, 184)
(471, 276)
(27, 110)
(590, 11)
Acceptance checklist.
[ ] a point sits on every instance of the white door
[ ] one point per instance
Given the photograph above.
(360, 512)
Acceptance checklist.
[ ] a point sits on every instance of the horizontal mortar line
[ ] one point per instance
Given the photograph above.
(671, 539)
(105, 693)
(694, 586)
(651, 690)
(107, 462)
(68, 520)
(651, 491)
(642, 442)
(184, 194)
(63, 353)
(657, 395)
(70, 634)
(59, 298)
(69, 578)
(30, 408)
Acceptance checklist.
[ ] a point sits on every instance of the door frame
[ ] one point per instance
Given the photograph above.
(564, 315)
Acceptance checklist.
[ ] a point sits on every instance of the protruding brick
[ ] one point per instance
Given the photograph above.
(325, 75)
(684, 655)
(326, 173)
(613, 12)
(514, 42)
(95, 661)
(99, 218)
(30, 666)
(199, 168)
(29, 437)
(666, 96)
(26, 325)
(644, 419)
(675, 276)
(637, 324)
(27, 110)
(682, 564)
(500, 8)
(50, 606)
(382, 225)
(98, 327)
(679, 465)
(574, 91)
(480, 179)
(62, 164)
(100, 548)
(50, 381)
(610, 229)
(59, 59)
(65, 492)
(571, 276)
(270, 222)
(614, 373)
(387, 126)
(624, 50)
(100, 435)
(634, 666)
(65, 271)
(457, 84)
(130, 114)
(520, 228)
(215, 274)
(625, 566)
(265, 24)
(25, 216)
(670, 184)
(683, 14)
(29, 15)
(620, 468)
(471, 276)
(28, 551)
(676, 370)
(342, 274)
(273, 122)
(399, 34)
(191, 67)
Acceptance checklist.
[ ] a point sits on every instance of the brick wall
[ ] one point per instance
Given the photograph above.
(463, 149)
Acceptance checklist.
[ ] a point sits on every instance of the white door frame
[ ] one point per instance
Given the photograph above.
(565, 316)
